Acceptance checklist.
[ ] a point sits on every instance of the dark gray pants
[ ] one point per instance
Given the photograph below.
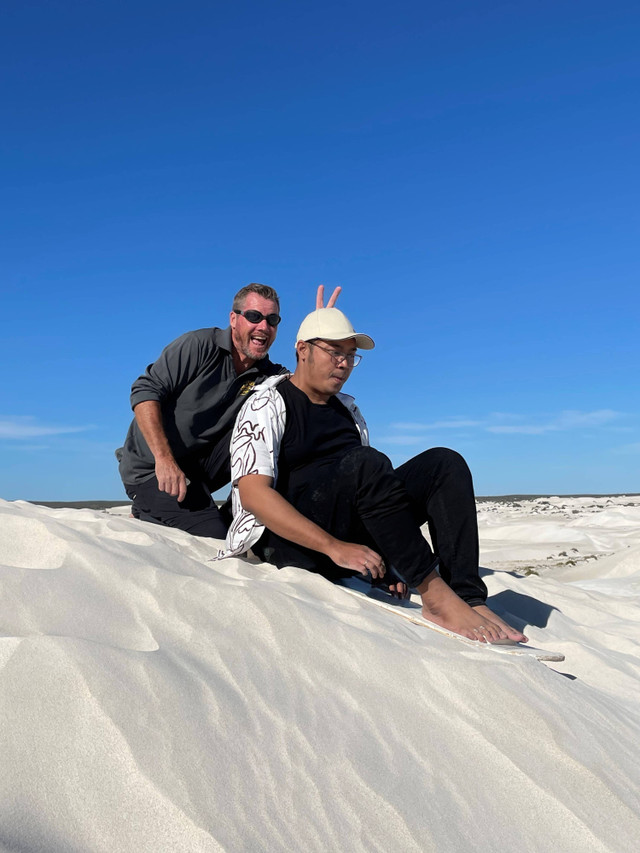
(197, 513)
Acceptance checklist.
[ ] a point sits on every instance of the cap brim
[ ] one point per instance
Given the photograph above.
(362, 341)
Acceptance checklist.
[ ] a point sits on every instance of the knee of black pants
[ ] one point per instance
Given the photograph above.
(367, 481)
(446, 462)
(449, 458)
(364, 462)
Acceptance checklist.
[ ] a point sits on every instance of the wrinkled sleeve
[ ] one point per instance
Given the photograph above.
(175, 367)
(357, 416)
(361, 424)
(255, 444)
(255, 436)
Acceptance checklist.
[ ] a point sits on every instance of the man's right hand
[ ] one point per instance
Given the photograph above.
(358, 558)
(258, 496)
(332, 299)
(171, 479)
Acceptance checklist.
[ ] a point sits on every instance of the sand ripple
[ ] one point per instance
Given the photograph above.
(153, 700)
(28, 544)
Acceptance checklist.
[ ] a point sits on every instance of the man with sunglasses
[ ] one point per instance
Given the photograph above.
(176, 452)
(309, 491)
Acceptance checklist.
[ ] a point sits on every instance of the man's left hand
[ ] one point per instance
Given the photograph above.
(399, 590)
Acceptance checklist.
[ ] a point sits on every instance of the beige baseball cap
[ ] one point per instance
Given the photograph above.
(331, 324)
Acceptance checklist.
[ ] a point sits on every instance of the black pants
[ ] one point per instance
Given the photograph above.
(364, 499)
(197, 513)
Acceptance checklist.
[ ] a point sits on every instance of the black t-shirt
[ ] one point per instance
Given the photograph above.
(316, 435)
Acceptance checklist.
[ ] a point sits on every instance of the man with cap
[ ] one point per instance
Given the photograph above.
(309, 491)
(176, 452)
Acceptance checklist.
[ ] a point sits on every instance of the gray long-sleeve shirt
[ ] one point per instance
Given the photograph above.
(199, 392)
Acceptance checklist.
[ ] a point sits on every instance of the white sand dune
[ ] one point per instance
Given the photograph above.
(153, 700)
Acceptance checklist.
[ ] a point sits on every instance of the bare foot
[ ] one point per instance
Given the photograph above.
(441, 605)
(512, 633)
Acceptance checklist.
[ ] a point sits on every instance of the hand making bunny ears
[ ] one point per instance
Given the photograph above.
(332, 300)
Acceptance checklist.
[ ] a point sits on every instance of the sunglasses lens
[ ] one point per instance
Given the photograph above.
(256, 317)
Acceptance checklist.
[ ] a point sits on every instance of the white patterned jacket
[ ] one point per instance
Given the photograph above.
(255, 445)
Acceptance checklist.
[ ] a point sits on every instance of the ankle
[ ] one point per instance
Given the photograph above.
(431, 582)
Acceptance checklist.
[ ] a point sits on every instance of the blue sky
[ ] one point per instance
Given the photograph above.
(468, 171)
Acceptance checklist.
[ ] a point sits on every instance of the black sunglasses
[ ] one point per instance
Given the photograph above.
(256, 317)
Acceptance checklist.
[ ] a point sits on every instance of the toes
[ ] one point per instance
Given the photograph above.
(481, 634)
(488, 633)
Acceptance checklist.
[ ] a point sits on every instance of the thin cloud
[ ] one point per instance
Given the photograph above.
(571, 419)
(628, 448)
(504, 416)
(26, 427)
(523, 429)
(507, 423)
(453, 423)
(567, 420)
(404, 440)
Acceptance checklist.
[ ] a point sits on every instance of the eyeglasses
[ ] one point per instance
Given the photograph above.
(256, 317)
(352, 359)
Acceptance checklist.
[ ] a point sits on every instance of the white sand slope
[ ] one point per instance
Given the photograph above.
(153, 700)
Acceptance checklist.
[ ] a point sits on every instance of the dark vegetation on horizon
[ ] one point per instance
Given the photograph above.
(480, 498)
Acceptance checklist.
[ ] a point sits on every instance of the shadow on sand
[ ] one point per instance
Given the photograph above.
(521, 610)
(518, 609)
